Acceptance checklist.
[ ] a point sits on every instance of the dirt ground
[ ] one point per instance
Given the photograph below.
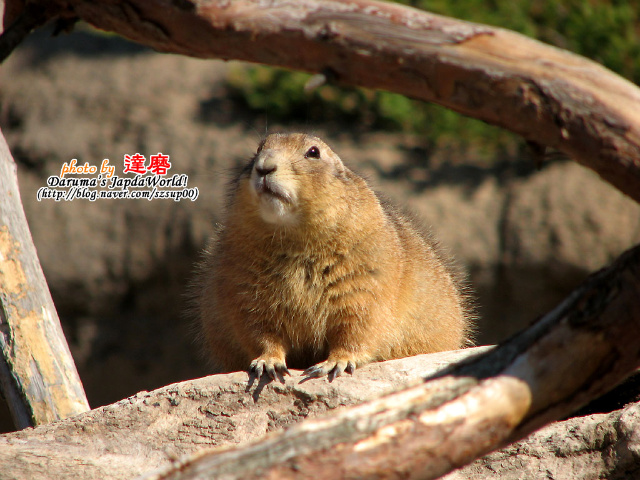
(118, 269)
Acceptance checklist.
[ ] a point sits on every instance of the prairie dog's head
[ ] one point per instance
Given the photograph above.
(294, 178)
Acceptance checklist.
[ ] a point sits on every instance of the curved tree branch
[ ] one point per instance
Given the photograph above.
(549, 96)
(20, 18)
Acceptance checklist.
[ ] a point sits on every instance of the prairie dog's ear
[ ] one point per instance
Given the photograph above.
(336, 161)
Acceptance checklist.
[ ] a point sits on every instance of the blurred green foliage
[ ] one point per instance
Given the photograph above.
(607, 31)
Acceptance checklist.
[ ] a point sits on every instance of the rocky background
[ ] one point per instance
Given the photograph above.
(118, 269)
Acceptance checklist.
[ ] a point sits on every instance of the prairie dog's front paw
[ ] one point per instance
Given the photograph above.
(332, 368)
(275, 368)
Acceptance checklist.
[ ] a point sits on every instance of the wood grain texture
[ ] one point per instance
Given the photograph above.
(549, 96)
(157, 429)
(37, 373)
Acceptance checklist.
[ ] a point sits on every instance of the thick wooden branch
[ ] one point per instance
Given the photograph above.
(37, 373)
(19, 18)
(549, 96)
(581, 349)
(152, 430)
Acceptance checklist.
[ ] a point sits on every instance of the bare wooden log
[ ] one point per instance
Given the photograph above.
(37, 373)
(151, 430)
(549, 96)
(581, 349)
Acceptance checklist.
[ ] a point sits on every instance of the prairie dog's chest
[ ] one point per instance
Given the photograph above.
(289, 292)
(296, 275)
(315, 284)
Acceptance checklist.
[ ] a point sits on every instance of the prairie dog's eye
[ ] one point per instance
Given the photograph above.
(313, 152)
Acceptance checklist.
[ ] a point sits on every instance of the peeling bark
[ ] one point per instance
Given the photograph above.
(549, 96)
(37, 373)
(155, 429)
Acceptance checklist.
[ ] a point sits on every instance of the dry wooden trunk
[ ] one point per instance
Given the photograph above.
(37, 373)
(151, 430)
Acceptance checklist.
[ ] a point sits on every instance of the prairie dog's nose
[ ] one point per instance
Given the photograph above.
(265, 165)
(264, 171)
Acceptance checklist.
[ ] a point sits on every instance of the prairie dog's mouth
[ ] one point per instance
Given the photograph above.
(276, 202)
(266, 186)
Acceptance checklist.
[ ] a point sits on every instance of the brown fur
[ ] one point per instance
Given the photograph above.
(325, 272)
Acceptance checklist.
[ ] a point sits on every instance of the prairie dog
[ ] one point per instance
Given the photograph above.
(312, 270)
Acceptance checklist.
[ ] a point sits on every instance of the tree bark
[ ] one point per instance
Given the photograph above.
(549, 96)
(19, 18)
(37, 373)
(153, 430)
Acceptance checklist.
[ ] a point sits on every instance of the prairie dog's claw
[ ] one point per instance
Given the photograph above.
(331, 368)
(275, 369)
